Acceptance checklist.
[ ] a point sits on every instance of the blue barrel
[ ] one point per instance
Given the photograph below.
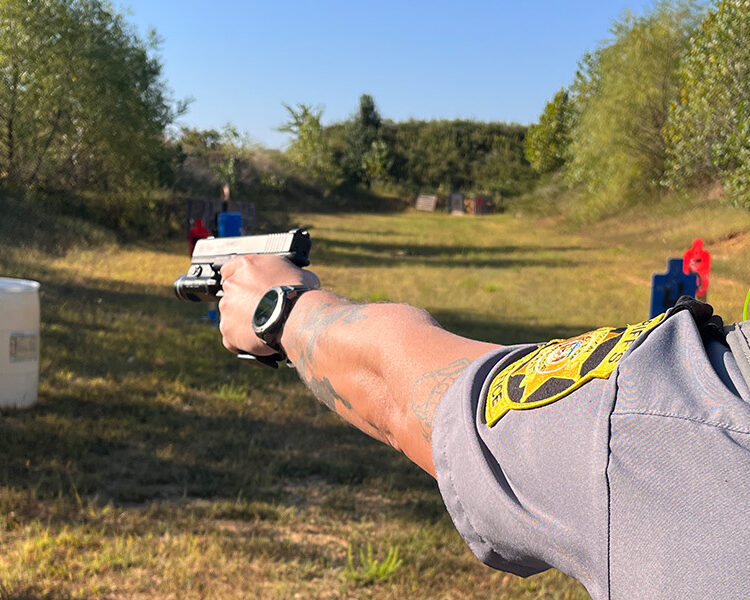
(230, 224)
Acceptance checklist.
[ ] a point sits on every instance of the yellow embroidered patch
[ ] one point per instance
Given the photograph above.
(554, 370)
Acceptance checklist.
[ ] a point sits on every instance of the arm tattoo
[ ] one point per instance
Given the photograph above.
(317, 326)
(324, 391)
(429, 389)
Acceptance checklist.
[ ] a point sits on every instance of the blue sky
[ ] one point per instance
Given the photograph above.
(482, 60)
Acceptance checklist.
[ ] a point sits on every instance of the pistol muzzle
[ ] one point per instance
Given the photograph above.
(191, 288)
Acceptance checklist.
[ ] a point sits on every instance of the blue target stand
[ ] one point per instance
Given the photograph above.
(667, 287)
(228, 224)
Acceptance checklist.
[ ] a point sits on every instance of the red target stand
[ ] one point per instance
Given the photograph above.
(697, 260)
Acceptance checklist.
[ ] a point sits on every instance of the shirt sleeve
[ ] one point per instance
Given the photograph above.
(633, 482)
(530, 492)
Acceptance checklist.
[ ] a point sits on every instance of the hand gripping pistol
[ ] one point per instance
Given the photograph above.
(202, 283)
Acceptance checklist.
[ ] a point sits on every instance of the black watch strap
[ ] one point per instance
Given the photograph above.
(271, 335)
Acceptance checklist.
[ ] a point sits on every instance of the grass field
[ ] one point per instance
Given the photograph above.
(157, 466)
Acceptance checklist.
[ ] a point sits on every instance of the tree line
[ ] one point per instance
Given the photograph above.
(663, 104)
(86, 116)
(438, 156)
(87, 123)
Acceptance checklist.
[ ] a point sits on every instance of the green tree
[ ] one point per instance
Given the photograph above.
(547, 142)
(376, 163)
(360, 133)
(503, 171)
(368, 115)
(622, 93)
(708, 130)
(309, 149)
(200, 142)
(82, 102)
(231, 146)
(444, 156)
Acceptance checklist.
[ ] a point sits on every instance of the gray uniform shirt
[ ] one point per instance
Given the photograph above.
(636, 485)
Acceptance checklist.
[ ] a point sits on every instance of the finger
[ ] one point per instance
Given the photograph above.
(223, 324)
(311, 280)
(229, 346)
(231, 266)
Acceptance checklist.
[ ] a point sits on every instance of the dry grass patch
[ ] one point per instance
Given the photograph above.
(157, 466)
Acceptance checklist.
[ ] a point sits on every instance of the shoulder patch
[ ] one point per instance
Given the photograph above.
(559, 367)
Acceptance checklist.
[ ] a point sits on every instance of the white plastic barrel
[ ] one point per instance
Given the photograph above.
(19, 342)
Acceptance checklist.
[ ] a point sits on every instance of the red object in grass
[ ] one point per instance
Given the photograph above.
(198, 232)
(697, 260)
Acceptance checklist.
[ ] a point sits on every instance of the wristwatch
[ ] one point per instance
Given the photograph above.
(272, 312)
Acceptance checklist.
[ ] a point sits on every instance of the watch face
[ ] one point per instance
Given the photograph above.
(265, 308)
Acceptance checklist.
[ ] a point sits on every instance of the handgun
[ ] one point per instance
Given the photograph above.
(203, 279)
(202, 283)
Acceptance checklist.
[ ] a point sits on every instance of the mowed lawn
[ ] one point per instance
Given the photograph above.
(155, 465)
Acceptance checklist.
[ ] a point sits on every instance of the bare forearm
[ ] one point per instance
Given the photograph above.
(382, 367)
